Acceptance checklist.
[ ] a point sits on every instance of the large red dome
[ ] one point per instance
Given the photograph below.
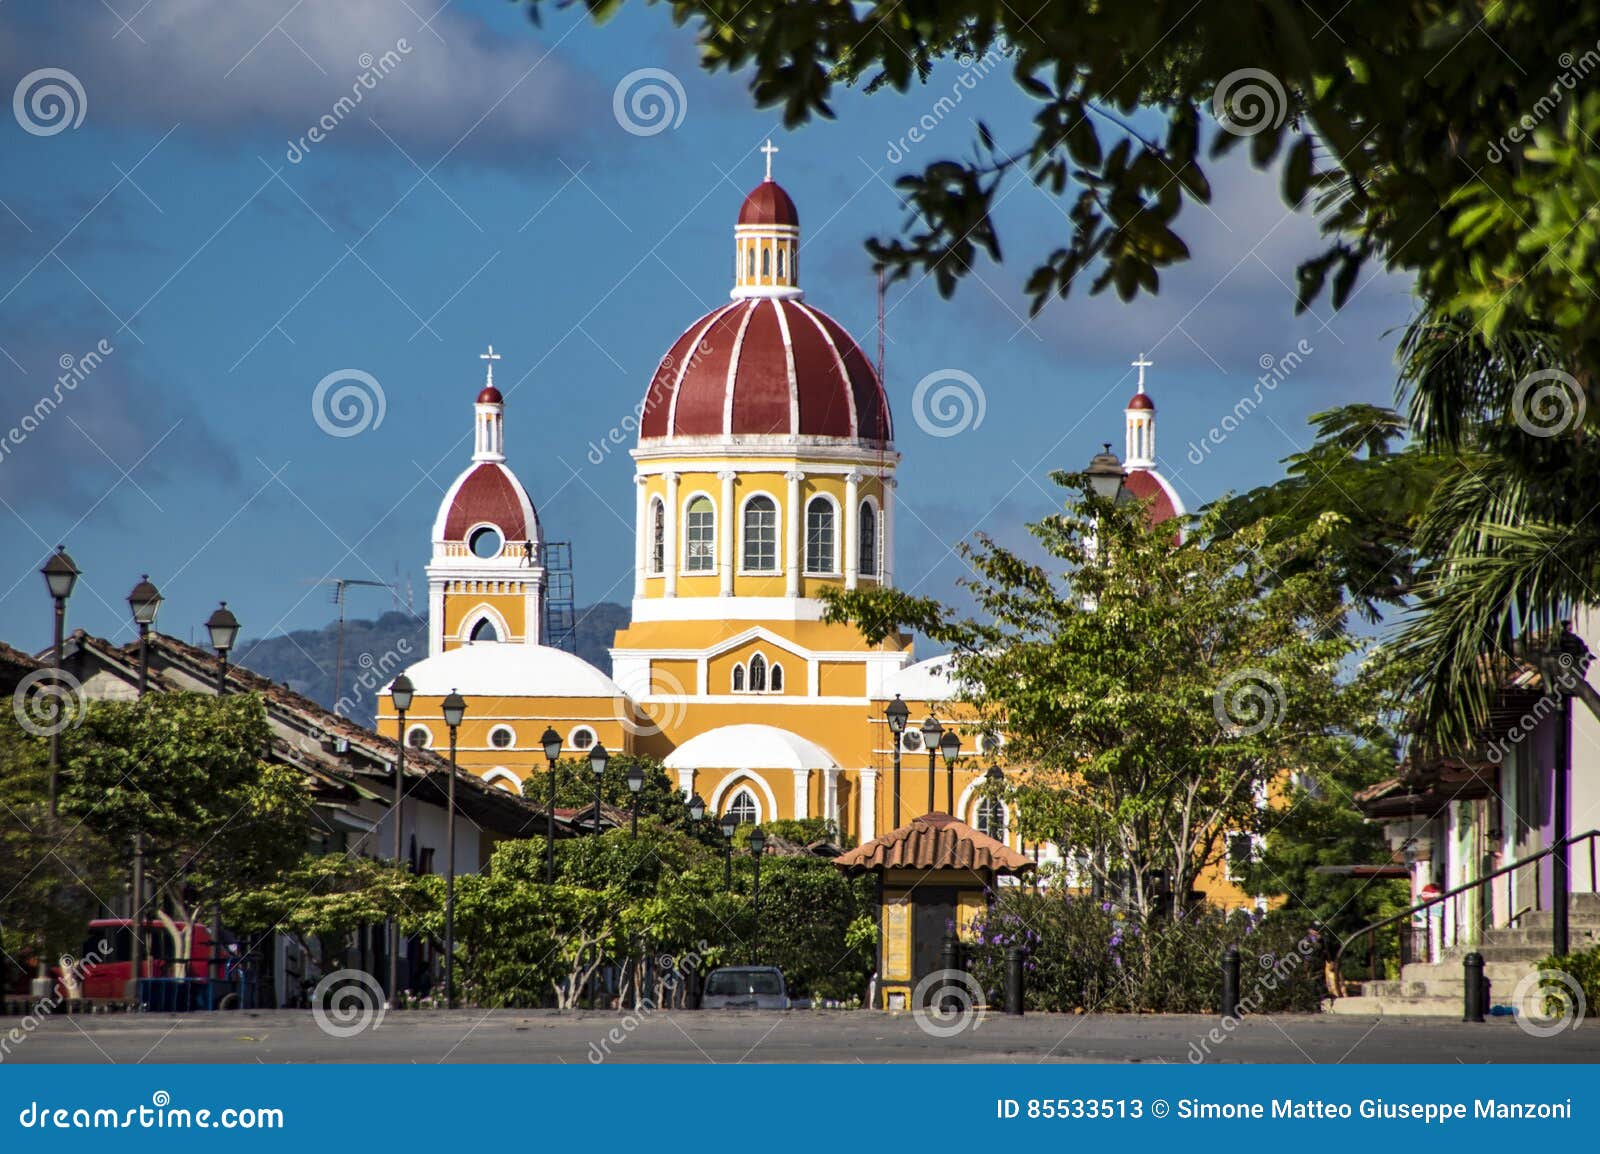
(766, 366)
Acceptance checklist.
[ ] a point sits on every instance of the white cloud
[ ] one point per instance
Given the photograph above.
(277, 68)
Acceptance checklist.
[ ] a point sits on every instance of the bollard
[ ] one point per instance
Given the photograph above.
(1014, 981)
(1230, 982)
(949, 959)
(1474, 988)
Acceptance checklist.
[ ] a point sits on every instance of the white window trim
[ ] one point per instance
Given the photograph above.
(466, 539)
(428, 733)
(766, 690)
(805, 537)
(777, 538)
(683, 536)
(483, 611)
(577, 729)
(650, 567)
(496, 728)
(500, 773)
(876, 573)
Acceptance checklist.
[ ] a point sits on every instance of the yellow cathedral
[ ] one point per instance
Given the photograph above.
(764, 473)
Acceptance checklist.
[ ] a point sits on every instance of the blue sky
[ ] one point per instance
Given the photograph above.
(486, 190)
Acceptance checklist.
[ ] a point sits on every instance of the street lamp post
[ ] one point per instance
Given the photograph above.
(551, 740)
(730, 825)
(931, 729)
(950, 747)
(145, 602)
(400, 692)
(1561, 665)
(896, 713)
(635, 780)
(454, 708)
(758, 846)
(224, 629)
(697, 808)
(60, 575)
(598, 757)
(1105, 473)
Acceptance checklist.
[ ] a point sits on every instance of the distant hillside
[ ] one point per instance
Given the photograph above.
(374, 651)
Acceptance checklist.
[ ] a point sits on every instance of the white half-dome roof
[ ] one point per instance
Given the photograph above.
(749, 747)
(501, 669)
(928, 680)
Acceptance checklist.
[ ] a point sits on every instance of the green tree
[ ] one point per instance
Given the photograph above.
(1155, 692)
(188, 773)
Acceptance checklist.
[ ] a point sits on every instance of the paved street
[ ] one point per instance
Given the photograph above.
(802, 1036)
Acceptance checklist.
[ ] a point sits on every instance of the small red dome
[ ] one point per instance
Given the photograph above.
(1142, 401)
(490, 396)
(767, 367)
(769, 204)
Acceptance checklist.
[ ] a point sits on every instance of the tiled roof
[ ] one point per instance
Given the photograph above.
(935, 841)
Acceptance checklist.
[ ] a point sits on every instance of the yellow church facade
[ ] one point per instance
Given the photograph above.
(764, 474)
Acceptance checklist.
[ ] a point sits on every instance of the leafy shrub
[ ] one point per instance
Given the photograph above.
(1084, 956)
(1584, 967)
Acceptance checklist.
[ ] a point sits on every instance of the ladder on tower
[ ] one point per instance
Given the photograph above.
(560, 618)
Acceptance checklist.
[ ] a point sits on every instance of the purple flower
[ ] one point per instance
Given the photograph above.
(1105, 907)
(1116, 940)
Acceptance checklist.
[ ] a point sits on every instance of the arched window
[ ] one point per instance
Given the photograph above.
(761, 535)
(869, 539)
(738, 679)
(658, 536)
(991, 818)
(750, 270)
(484, 630)
(766, 261)
(780, 262)
(758, 674)
(742, 807)
(820, 549)
(700, 537)
(775, 678)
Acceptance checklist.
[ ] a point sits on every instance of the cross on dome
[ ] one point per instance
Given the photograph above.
(1142, 364)
(769, 148)
(491, 356)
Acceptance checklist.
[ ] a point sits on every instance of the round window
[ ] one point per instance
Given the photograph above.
(911, 740)
(417, 738)
(989, 743)
(501, 737)
(486, 542)
(581, 738)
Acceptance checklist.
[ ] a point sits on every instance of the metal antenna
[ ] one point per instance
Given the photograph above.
(881, 322)
(340, 584)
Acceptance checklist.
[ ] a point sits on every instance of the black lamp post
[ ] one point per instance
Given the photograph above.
(454, 708)
(697, 808)
(758, 846)
(1561, 666)
(598, 757)
(1105, 473)
(730, 825)
(950, 747)
(635, 779)
(931, 729)
(551, 740)
(145, 602)
(896, 714)
(60, 575)
(995, 779)
(224, 629)
(401, 691)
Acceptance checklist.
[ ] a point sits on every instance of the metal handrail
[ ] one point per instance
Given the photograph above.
(1370, 932)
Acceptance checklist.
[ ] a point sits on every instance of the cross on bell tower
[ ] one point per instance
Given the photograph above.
(1141, 423)
(770, 149)
(1141, 364)
(491, 356)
